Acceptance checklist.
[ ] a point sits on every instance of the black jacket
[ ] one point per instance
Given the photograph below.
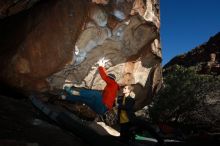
(128, 107)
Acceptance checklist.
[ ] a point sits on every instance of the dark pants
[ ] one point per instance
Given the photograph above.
(126, 134)
(144, 125)
(127, 130)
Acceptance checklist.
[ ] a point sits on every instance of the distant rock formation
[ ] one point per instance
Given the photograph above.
(205, 58)
(62, 40)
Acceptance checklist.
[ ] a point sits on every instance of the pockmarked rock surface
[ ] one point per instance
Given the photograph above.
(61, 41)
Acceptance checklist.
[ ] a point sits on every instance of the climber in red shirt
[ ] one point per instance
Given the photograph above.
(100, 102)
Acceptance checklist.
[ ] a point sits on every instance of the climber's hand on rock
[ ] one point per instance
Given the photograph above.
(102, 62)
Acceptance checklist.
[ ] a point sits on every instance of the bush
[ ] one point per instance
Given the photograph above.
(183, 93)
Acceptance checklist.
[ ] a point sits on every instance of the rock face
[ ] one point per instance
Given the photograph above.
(34, 44)
(62, 40)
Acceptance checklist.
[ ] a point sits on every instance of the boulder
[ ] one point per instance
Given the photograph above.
(62, 40)
(38, 43)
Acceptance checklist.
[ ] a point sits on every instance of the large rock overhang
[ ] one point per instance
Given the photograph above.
(62, 40)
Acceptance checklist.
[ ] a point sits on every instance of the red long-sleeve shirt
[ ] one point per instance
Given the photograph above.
(111, 89)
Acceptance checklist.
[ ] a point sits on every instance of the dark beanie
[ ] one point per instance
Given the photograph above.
(112, 76)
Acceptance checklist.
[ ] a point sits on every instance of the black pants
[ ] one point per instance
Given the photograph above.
(144, 125)
(126, 134)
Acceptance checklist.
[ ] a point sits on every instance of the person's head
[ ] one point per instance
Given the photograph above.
(128, 89)
(112, 76)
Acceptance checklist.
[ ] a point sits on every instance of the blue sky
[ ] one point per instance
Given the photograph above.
(186, 24)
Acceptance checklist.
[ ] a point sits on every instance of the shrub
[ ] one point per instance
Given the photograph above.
(183, 93)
